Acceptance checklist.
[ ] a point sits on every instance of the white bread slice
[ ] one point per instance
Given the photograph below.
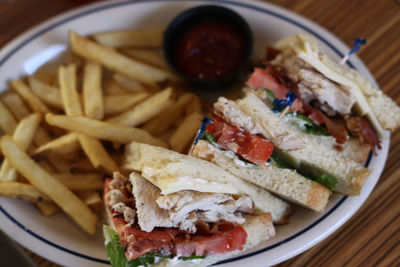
(286, 183)
(353, 149)
(172, 172)
(312, 155)
(372, 102)
(258, 228)
(173, 169)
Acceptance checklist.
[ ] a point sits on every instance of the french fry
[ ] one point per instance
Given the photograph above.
(45, 77)
(47, 208)
(75, 59)
(48, 185)
(162, 122)
(16, 105)
(22, 191)
(23, 136)
(115, 104)
(150, 56)
(7, 121)
(49, 94)
(63, 145)
(116, 61)
(129, 84)
(194, 106)
(82, 165)
(184, 134)
(97, 154)
(92, 91)
(67, 78)
(27, 94)
(178, 122)
(167, 134)
(93, 200)
(114, 88)
(145, 110)
(59, 163)
(45, 165)
(133, 38)
(81, 182)
(42, 137)
(103, 130)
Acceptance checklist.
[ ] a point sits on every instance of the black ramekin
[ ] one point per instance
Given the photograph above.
(192, 16)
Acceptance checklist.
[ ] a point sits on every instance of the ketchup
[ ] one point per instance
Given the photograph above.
(210, 50)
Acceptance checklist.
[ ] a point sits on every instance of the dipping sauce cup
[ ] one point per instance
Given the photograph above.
(208, 46)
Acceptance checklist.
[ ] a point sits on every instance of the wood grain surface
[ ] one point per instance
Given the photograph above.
(371, 237)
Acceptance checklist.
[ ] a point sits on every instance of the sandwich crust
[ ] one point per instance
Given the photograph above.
(286, 183)
(317, 197)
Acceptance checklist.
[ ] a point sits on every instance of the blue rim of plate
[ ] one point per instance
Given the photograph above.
(113, 5)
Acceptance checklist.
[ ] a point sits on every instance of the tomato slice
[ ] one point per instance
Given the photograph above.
(249, 146)
(231, 240)
(261, 78)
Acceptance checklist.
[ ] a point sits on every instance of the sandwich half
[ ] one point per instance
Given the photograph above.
(380, 110)
(321, 117)
(249, 156)
(172, 172)
(335, 105)
(184, 227)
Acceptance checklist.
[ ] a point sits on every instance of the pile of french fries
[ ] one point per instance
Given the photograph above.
(64, 131)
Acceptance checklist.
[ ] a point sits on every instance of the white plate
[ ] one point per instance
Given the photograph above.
(60, 240)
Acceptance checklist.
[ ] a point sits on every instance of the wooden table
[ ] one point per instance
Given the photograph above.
(372, 236)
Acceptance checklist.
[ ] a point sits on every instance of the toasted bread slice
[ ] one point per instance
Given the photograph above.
(286, 183)
(171, 172)
(353, 149)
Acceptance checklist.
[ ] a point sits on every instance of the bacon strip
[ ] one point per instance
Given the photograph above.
(359, 126)
(336, 127)
(272, 53)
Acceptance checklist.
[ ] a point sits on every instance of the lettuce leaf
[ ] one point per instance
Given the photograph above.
(148, 259)
(327, 180)
(114, 247)
(307, 125)
(115, 252)
(209, 137)
(279, 163)
(270, 95)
